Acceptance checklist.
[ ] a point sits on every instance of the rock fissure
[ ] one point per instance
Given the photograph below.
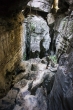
(36, 58)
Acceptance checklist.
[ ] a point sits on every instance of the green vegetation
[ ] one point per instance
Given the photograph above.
(24, 56)
(53, 58)
(32, 27)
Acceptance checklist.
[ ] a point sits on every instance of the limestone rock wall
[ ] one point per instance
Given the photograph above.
(61, 96)
(10, 48)
(37, 37)
(63, 33)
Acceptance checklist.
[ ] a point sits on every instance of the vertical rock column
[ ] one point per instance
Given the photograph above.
(37, 34)
(37, 37)
(10, 48)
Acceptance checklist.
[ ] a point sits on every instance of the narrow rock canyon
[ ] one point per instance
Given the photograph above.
(36, 55)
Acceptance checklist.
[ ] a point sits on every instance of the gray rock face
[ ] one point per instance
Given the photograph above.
(63, 33)
(37, 36)
(31, 102)
(61, 97)
(41, 5)
(37, 102)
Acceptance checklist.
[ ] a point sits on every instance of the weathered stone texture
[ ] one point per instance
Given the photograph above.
(37, 36)
(41, 5)
(61, 96)
(10, 46)
(63, 33)
(31, 86)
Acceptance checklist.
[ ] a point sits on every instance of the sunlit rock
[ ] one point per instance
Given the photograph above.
(41, 5)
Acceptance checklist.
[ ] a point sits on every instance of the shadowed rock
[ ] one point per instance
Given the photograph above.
(9, 7)
(61, 96)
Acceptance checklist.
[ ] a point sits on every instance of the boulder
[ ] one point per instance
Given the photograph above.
(37, 102)
(41, 5)
(8, 102)
(50, 18)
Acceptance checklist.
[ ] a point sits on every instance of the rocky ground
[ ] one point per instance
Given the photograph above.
(42, 86)
(32, 86)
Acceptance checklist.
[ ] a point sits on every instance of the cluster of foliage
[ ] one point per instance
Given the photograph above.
(32, 27)
(24, 56)
(53, 58)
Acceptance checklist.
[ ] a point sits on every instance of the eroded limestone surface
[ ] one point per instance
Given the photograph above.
(31, 86)
(10, 48)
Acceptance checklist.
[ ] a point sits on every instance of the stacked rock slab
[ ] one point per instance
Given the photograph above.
(63, 33)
